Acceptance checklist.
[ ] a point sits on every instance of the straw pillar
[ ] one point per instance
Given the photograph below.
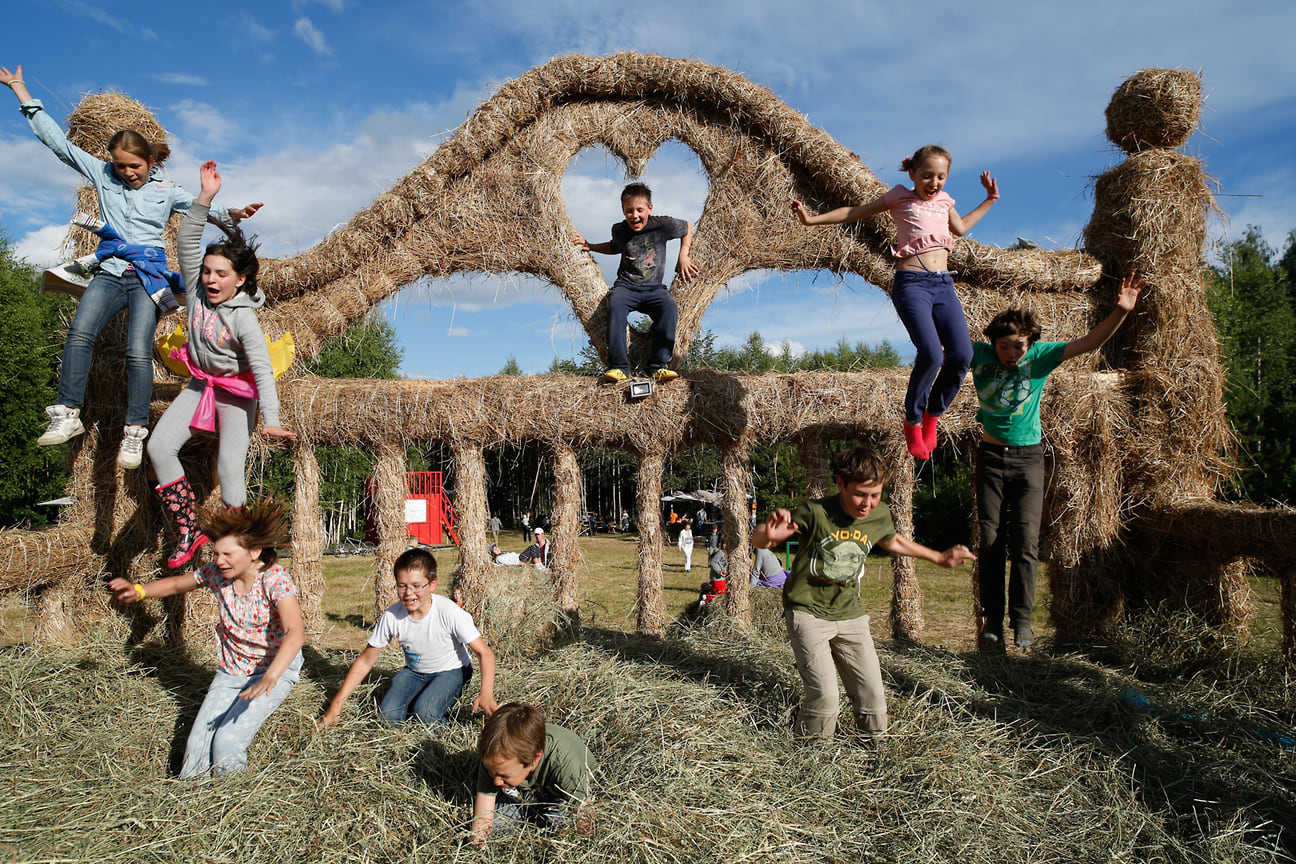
(390, 483)
(650, 604)
(308, 537)
(470, 501)
(566, 563)
(734, 540)
(1287, 601)
(906, 598)
(812, 450)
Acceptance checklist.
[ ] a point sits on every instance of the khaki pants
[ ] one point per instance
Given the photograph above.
(824, 649)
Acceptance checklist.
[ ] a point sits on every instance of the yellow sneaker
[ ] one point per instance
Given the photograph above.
(665, 374)
(613, 376)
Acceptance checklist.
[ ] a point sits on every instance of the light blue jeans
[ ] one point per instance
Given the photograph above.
(104, 297)
(226, 724)
(425, 696)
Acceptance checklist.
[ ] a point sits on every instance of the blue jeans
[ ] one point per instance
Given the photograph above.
(104, 297)
(426, 696)
(226, 724)
(933, 317)
(1010, 505)
(657, 304)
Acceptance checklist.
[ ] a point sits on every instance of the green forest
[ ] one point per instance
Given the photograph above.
(1251, 296)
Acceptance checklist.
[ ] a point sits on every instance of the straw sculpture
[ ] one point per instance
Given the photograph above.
(1137, 437)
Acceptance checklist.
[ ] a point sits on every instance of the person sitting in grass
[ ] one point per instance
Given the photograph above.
(543, 771)
(641, 240)
(824, 614)
(1009, 373)
(435, 635)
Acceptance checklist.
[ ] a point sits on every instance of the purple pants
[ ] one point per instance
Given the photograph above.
(933, 317)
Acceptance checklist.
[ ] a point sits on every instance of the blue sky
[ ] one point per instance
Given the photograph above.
(316, 107)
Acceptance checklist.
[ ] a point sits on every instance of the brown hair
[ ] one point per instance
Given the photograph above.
(1013, 322)
(416, 559)
(241, 253)
(516, 729)
(260, 525)
(137, 145)
(922, 153)
(861, 465)
(636, 190)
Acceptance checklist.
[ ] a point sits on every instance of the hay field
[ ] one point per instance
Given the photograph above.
(1008, 757)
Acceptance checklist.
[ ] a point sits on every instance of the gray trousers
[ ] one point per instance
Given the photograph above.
(235, 418)
(825, 649)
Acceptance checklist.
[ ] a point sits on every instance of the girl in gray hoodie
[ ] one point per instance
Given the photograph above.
(230, 363)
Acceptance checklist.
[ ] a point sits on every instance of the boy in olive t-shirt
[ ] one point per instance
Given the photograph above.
(825, 617)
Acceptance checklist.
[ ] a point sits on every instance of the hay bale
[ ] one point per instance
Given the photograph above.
(1154, 108)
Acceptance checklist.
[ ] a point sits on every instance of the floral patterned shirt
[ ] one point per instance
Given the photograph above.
(250, 631)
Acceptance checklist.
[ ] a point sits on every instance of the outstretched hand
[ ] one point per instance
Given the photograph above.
(779, 526)
(991, 185)
(240, 213)
(210, 181)
(6, 76)
(278, 432)
(955, 555)
(1128, 292)
(685, 267)
(799, 211)
(123, 590)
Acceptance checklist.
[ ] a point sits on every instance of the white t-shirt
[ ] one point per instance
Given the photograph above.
(437, 643)
(508, 559)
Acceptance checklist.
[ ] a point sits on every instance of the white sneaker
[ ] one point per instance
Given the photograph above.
(65, 423)
(131, 453)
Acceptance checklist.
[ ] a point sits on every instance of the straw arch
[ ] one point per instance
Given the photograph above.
(488, 200)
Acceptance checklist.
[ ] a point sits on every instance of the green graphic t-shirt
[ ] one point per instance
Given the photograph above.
(1010, 396)
(831, 552)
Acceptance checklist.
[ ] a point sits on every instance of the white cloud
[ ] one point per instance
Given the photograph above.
(43, 247)
(181, 78)
(335, 5)
(307, 32)
(203, 122)
(126, 25)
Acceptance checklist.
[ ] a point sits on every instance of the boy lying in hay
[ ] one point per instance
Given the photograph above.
(825, 618)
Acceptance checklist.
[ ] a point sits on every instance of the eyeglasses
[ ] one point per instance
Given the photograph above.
(417, 589)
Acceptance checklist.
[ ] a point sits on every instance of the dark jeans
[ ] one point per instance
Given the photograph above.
(933, 317)
(425, 696)
(1010, 504)
(657, 304)
(104, 297)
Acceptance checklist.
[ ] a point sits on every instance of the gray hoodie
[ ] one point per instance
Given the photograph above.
(226, 339)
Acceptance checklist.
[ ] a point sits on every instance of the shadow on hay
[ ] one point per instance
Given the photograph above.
(186, 680)
(1186, 763)
(449, 776)
(761, 688)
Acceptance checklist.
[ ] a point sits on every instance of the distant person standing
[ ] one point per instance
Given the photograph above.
(625, 522)
(685, 544)
(495, 525)
(526, 525)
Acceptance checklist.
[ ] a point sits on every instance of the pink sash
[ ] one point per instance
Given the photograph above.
(204, 416)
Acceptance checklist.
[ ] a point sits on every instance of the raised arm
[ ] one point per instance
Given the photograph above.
(14, 81)
(960, 225)
(1126, 296)
(776, 528)
(361, 667)
(841, 215)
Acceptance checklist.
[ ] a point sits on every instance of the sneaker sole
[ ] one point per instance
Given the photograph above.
(129, 462)
(48, 440)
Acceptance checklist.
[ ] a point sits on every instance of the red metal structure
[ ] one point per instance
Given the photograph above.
(429, 515)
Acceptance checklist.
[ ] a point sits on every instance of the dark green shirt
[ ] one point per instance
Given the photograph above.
(830, 557)
(562, 777)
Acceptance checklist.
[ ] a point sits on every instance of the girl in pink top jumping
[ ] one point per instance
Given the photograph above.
(923, 291)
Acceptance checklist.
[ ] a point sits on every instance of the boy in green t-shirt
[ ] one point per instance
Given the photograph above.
(825, 618)
(1009, 373)
(543, 770)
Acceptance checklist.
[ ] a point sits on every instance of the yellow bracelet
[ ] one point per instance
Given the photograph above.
(11, 83)
(139, 589)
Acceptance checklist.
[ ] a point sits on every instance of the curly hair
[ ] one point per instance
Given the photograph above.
(861, 465)
(1013, 322)
(515, 729)
(260, 525)
(924, 152)
(241, 253)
